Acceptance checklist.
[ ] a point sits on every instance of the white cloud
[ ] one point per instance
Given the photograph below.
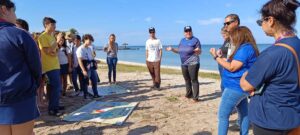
(148, 19)
(180, 21)
(210, 21)
(228, 5)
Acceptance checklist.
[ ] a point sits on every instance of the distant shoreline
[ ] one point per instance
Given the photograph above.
(163, 66)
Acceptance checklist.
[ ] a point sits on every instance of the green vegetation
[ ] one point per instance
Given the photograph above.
(133, 68)
(172, 98)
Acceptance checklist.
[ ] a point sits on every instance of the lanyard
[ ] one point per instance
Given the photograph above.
(285, 35)
(2, 20)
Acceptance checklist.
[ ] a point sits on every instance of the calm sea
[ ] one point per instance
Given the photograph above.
(169, 58)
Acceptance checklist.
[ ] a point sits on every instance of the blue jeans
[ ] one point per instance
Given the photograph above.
(231, 99)
(112, 65)
(94, 79)
(85, 82)
(220, 71)
(75, 73)
(55, 88)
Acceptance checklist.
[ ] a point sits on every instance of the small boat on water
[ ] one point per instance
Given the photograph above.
(124, 46)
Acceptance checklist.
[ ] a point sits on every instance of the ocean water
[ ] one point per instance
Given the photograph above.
(169, 58)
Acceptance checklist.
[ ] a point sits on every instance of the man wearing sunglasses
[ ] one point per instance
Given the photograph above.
(153, 58)
(231, 22)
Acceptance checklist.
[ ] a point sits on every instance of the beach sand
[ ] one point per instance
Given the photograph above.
(164, 112)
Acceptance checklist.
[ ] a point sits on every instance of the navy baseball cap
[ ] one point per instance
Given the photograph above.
(151, 29)
(187, 28)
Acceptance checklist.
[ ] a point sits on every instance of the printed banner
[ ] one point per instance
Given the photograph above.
(109, 90)
(103, 112)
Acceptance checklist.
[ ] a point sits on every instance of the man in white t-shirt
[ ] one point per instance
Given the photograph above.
(153, 58)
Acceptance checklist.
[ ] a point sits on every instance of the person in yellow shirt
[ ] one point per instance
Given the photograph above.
(50, 64)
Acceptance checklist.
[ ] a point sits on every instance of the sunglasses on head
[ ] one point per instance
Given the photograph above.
(259, 22)
(228, 23)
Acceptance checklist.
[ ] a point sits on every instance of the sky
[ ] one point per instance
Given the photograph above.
(129, 20)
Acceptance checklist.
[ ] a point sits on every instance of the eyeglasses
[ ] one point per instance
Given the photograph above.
(259, 22)
(228, 23)
(151, 32)
(187, 31)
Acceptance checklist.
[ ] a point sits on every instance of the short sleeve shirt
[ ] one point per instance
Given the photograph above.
(245, 54)
(84, 53)
(63, 55)
(113, 53)
(153, 46)
(186, 51)
(278, 107)
(48, 62)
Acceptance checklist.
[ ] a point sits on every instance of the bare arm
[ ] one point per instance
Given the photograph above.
(146, 54)
(175, 50)
(245, 85)
(82, 66)
(50, 51)
(70, 62)
(232, 66)
(197, 51)
(160, 55)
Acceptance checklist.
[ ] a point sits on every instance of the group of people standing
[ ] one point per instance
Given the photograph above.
(269, 79)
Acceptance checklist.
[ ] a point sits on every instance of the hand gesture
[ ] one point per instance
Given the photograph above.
(219, 53)
(213, 52)
(169, 48)
(197, 51)
(85, 74)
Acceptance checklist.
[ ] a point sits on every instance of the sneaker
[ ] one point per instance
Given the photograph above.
(75, 93)
(87, 97)
(156, 88)
(96, 96)
(61, 107)
(80, 94)
(55, 113)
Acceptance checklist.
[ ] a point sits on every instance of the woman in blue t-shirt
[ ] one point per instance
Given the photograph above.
(275, 107)
(189, 50)
(20, 75)
(239, 61)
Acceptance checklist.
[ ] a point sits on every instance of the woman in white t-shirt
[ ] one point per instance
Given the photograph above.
(87, 65)
(64, 57)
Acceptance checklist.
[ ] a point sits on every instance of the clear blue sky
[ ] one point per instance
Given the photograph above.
(130, 19)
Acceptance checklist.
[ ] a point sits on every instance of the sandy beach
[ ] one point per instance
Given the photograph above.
(164, 112)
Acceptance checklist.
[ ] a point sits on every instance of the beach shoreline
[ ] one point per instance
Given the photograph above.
(162, 66)
(164, 112)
